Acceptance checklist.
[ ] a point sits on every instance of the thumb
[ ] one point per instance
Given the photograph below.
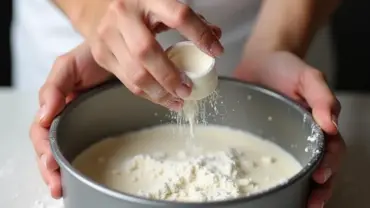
(325, 107)
(58, 87)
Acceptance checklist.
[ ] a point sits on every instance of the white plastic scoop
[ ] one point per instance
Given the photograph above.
(198, 66)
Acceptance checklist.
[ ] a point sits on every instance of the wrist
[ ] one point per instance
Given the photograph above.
(85, 15)
(286, 25)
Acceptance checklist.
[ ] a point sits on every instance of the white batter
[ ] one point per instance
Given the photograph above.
(154, 163)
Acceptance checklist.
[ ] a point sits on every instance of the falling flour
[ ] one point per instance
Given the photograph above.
(198, 112)
(153, 163)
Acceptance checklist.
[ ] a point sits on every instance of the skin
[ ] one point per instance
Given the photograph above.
(272, 57)
(149, 72)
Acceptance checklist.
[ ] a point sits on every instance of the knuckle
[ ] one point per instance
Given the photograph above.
(103, 31)
(182, 13)
(116, 7)
(144, 48)
(62, 62)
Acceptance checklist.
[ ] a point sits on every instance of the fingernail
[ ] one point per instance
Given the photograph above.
(216, 49)
(44, 161)
(334, 119)
(183, 91)
(42, 113)
(327, 174)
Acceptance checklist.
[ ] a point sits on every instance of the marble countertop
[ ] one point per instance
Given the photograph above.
(22, 187)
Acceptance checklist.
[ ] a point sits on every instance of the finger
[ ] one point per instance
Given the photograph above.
(40, 140)
(44, 172)
(145, 50)
(322, 175)
(215, 29)
(59, 84)
(52, 179)
(167, 100)
(55, 185)
(71, 97)
(336, 145)
(131, 73)
(103, 55)
(331, 161)
(154, 92)
(52, 101)
(325, 107)
(321, 195)
(171, 102)
(178, 15)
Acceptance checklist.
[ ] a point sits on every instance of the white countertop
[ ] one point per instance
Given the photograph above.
(22, 187)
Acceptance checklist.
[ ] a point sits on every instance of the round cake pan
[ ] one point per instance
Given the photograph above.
(110, 109)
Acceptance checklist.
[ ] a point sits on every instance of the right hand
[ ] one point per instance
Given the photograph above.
(125, 45)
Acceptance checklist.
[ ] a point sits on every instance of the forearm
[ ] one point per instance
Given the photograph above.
(85, 15)
(288, 25)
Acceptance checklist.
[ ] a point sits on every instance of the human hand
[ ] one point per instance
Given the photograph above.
(288, 74)
(125, 45)
(71, 73)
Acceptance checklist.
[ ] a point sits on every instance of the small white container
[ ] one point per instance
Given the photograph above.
(198, 66)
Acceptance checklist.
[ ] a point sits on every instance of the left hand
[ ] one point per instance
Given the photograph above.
(288, 74)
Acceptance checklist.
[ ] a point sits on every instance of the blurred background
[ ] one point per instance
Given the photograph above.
(342, 51)
(344, 46)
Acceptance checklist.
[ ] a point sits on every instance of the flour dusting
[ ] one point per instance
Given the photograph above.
(48, 202)
(197, 112)
(314, 138)
(155, 164)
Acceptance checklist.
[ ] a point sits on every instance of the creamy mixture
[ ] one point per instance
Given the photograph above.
(154, 163)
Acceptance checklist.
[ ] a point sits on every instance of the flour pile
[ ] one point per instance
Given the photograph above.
(210, 177)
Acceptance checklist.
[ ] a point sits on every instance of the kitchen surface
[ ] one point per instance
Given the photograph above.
(22, 187)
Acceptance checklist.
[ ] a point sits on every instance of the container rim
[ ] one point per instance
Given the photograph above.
(63, 163)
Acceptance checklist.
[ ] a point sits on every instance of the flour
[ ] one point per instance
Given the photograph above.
(211, 177)
(314, 139)
(154, 163)
(198, 112)
(48, 202)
